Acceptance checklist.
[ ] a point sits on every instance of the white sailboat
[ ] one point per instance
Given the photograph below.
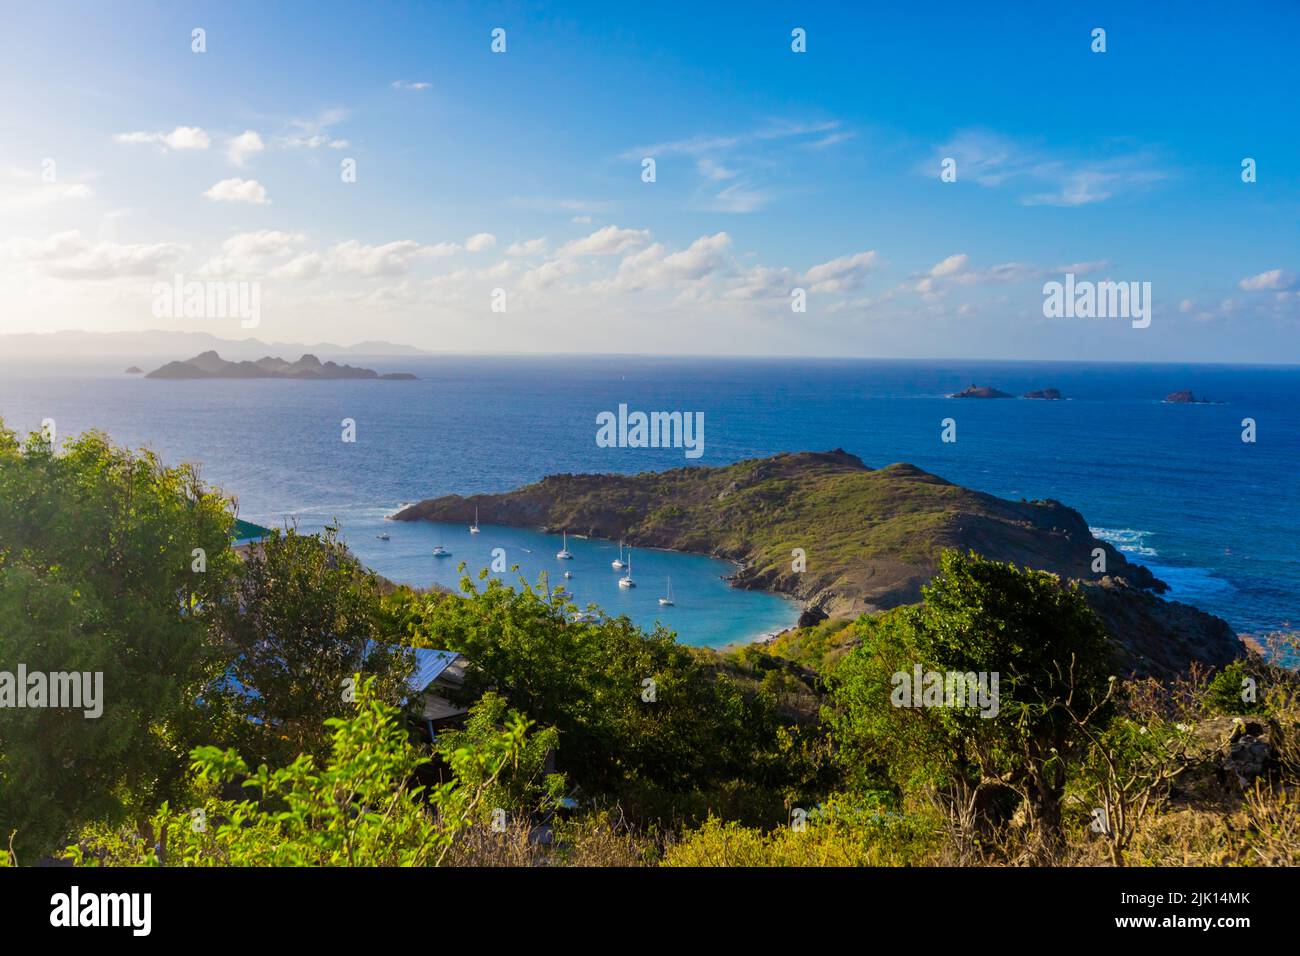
(439, 551)
(667, 599)
(626, 580)
(563, 553)
(382, 536)
(617, 563)
(473, 529)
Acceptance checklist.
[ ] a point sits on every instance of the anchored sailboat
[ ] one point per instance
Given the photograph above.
(563, 553)
(617, 563)
(626, 580)
(667, 599)
(473, 529)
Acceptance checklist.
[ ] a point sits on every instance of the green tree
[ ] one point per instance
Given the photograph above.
(304, 618)
(111, 564)
(629, 706)
(1036, 633)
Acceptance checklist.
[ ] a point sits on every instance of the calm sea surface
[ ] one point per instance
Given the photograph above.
(1172, 485)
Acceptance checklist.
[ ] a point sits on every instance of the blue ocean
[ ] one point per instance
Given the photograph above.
(1174, 486)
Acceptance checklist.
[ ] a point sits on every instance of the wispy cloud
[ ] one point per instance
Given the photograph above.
(1044, 178)
(744, 161)
(956, 270)
(313, 133)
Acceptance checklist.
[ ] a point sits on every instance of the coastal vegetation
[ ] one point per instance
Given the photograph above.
(256, 710)
(847, 539)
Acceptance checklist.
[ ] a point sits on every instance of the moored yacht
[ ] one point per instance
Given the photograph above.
(563, 554)
(667, 599)
(626, 580)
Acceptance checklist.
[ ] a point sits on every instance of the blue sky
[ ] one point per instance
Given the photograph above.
(774, 171)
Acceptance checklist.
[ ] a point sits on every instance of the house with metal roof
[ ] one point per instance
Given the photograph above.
(437, 676)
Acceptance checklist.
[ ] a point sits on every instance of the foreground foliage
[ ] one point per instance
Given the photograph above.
(363, 808)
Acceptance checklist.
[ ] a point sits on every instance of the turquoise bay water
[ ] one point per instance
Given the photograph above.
(706, 610)
(1173, 485)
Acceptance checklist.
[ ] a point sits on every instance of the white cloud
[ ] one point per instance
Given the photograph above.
(763, 282)
(68, 255)
(655, 267)
(499, 271)
(252, 253)
(956, 270)
(1274, 280)
(527, 247)
(240, 148)
(410, 85)
(480, 242)
(548, 274)
(306, 266)
(610, 241)
(238, 190)
(952, 265)
(182, 137)
(25, 189)
(389, 259)
(842, 274)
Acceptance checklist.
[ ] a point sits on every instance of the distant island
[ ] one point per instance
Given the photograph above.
(1046, 394)
(871, 536)
(135, 370)
(979, 391)
(1186, 397)
(308, 368)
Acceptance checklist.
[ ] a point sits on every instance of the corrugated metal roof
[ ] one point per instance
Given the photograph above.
(429, 665)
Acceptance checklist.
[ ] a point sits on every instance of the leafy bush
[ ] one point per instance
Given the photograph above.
(363, 808)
